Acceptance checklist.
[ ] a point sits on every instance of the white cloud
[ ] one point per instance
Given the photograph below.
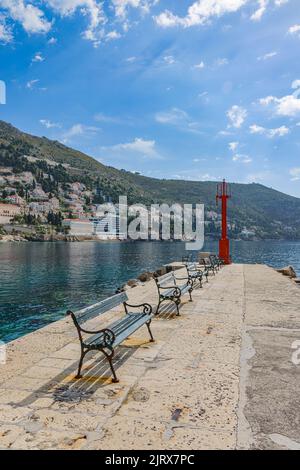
(131, 59)
(146, 148)
(262, 7)
(101, 117)
(225, 133)
(112, 35)
(221, 61)
(174, 116)
(296, 84)
(179, 118)
(38, 57)
(31, 83)
(202, 11)
(288, 105)
(295, 29)
(295, 174)
(6, 35)
(267, 56)
(29, 16)
(97, 19)
(237, 115)
(233, 146)
(79, 130)
(266, 101)
(241, 158)
(169, 59)
(278, 132)
(93, 9)
(238, 157)
(52, 41)
(33, 18)
(201, 65)
(258, 177)
(122, 6)
(48, 124)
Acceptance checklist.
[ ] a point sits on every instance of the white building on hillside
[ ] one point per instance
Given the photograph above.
(79, 227)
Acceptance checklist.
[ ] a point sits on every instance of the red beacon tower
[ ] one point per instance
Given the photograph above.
(224, 193)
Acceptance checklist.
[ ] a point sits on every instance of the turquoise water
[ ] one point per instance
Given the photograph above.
(40, 281)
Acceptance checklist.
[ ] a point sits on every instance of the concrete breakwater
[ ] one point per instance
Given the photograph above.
(223, 375)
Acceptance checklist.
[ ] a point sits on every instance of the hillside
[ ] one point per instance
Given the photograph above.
(264, 212)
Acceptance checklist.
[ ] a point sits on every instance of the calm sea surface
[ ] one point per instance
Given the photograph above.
(40, 281)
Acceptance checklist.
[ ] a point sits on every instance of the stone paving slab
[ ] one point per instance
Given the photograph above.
(219, 376)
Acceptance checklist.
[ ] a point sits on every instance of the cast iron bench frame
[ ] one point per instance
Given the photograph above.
(215, 261)
(207, 265)
(195, 273)
(106, 339)
(169, 290)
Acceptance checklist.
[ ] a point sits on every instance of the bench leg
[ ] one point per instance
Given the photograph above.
(83, 353)
(150, 332)
(110, 358)
(177, 303)
(157, 309)
(190, 293)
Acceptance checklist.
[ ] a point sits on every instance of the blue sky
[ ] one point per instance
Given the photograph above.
(189, 89)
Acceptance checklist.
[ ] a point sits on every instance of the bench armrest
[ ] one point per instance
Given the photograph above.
(108, 335)
(176, 289)
(188, 279)
(147, 308)
(167, 287)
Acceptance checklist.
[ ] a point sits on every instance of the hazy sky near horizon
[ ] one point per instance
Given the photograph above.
(189, 89)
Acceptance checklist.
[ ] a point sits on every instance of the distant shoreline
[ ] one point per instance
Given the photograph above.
(21, 238)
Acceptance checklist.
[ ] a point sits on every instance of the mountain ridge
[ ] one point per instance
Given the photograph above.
(266, 212)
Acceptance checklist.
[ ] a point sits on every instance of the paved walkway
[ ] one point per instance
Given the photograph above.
(220, 376)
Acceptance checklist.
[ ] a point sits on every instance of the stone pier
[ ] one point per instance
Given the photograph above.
(223, 375)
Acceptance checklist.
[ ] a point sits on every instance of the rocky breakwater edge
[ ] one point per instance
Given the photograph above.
(148, 275)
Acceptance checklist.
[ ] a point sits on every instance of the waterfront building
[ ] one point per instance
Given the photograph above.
(8, 212)
(79, 227)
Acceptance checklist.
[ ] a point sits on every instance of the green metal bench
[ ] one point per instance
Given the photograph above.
(169, 290)
(106, 339)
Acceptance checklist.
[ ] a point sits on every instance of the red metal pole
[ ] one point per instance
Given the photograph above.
(224, 217)
(224, 249)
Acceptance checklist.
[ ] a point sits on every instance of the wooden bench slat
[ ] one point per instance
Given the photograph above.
(135, 326)
(121, 328)
(166, 279)
(99, 308)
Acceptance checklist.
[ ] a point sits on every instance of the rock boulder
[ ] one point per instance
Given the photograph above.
(288, 271)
